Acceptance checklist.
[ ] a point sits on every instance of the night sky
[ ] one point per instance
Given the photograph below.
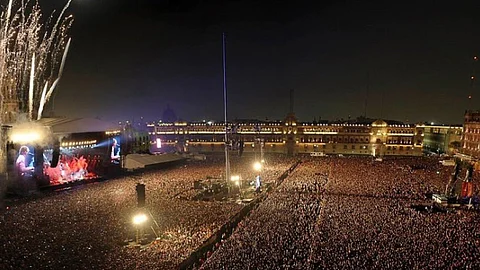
(133, 58)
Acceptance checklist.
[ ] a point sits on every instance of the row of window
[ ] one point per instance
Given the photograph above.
(472, 138)
(311, 140)
(472, 130)
(334, 140)
(399, 141)
(401, 131)
(363, 149)
(401, 148)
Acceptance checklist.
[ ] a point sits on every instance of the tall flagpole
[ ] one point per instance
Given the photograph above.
(227, 161)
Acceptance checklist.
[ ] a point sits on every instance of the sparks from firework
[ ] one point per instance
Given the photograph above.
(32, 56)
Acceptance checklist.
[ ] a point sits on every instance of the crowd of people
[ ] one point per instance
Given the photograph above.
(278, 233)
(329, 213)
(87, 227)
(368, 222)
(355, 213)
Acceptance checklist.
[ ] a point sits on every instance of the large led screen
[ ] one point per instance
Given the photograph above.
(80, 157)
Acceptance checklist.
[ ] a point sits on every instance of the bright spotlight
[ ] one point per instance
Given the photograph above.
(235, 177)
(25, 137)
(257, 166)
(139, 219)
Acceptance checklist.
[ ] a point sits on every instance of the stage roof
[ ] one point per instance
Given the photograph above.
(77, 125)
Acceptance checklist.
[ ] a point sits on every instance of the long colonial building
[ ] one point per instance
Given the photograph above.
(290, 137)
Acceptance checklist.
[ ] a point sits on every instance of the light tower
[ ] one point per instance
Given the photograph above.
(143, 218)
(224, 62)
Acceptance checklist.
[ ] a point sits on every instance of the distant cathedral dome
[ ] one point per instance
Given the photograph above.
(169, 115)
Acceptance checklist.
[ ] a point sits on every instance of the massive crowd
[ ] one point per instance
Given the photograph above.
(329, 213)
(86, 227)
(367, 221)
(278, 233)
(354, 213)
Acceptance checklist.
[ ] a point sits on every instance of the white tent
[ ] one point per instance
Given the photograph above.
(138, 161)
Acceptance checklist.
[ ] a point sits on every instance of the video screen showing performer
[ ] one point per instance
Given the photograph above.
(38, 164)
(24, 162)
(21, 159)
(77, 158)
(71, 166)
(115, 151)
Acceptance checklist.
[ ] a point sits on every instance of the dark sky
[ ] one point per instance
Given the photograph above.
(132, 58)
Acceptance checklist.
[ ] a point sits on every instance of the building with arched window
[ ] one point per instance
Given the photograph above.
(471, 134)
(290, 137)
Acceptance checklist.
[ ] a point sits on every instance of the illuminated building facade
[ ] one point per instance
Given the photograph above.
(471, 134)
(291, 137)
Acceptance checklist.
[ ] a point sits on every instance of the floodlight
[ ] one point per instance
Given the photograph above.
(24, 137)
(139, 219)
(257, 166)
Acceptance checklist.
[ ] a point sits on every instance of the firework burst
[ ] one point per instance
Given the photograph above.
(33, 51)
